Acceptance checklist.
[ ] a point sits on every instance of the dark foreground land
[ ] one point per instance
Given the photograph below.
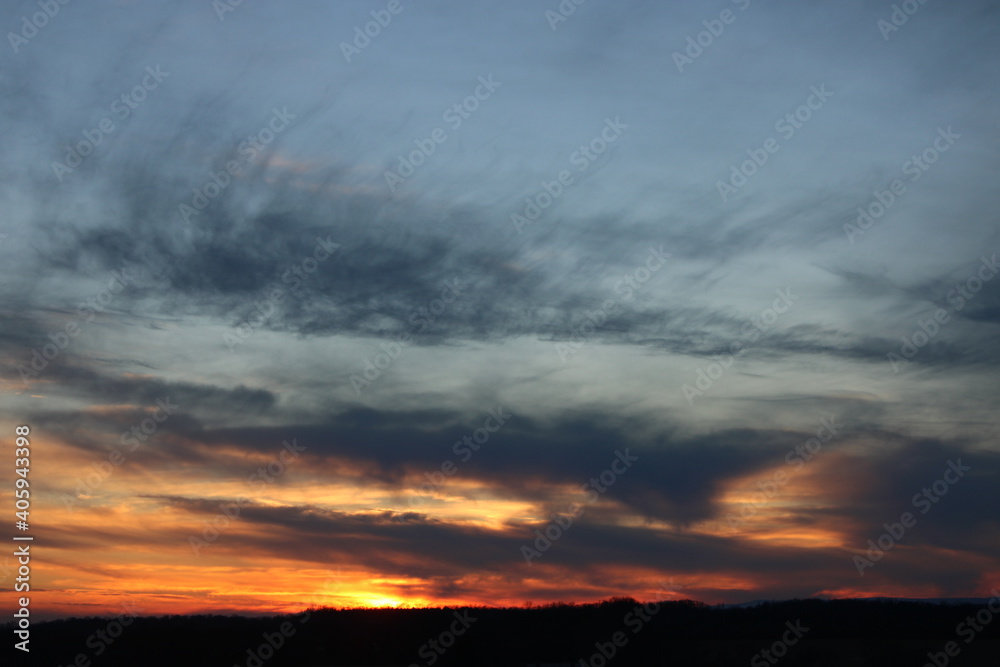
(615, 632)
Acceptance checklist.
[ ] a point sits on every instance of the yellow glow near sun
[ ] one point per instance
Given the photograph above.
(382, 602)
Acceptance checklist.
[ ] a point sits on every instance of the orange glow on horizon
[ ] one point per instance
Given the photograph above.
(129, 531)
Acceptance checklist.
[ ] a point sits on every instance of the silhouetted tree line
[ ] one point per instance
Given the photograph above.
(840, 632)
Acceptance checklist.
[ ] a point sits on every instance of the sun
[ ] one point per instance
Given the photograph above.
(382, 602)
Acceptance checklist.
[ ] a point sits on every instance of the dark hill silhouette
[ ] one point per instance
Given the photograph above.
(837, 632)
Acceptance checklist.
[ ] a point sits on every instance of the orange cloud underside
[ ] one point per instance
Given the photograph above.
(128, 538)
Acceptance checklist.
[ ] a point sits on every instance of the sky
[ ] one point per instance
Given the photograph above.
(432, 302)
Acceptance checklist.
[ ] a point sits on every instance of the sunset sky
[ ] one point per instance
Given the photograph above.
(707, 292)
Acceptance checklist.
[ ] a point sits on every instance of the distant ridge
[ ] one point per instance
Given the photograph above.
(757, 603)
